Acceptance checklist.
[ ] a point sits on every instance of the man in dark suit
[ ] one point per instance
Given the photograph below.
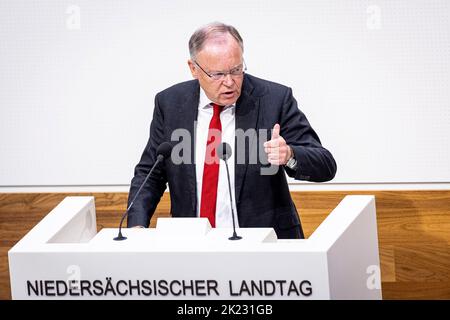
(255, 116)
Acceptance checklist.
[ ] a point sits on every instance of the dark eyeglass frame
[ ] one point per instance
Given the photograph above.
(222, 75)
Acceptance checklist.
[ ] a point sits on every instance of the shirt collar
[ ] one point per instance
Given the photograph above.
(205, 103)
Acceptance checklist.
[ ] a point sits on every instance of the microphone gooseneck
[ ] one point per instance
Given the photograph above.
(224, 153)
(162, 152)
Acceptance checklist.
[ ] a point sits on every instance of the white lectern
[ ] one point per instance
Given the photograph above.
(63, 257)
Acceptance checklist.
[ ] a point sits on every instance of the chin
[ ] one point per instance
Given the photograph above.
(227, 102)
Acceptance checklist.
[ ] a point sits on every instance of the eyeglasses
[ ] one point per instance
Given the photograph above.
(235, 72)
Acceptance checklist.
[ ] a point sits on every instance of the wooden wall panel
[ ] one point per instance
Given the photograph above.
(413, 230)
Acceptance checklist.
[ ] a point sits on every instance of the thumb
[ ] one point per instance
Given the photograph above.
(276, 131)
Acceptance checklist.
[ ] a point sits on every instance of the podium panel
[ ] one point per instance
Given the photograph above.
(63, 257)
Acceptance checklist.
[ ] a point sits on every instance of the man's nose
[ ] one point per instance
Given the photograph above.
(228, 80)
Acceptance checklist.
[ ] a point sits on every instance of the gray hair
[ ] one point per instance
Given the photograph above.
(209, 31)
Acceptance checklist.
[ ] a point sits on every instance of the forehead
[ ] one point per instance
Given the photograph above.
(220, 51)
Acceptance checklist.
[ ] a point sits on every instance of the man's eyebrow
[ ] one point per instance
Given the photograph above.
(223, 71)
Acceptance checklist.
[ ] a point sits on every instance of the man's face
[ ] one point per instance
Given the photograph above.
(219, 55)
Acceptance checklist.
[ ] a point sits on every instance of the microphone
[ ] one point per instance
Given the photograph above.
(224, 153)
(162, 153)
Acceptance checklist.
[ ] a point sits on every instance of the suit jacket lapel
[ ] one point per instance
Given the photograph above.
(247, 108)
(188, 113)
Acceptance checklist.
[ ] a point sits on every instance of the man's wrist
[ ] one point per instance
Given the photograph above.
(292, 162)
(291, 153)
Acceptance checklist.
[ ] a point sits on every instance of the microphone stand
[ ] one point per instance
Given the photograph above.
(234, 236)
(120, 237)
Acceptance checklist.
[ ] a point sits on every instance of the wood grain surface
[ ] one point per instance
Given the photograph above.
(413, 232)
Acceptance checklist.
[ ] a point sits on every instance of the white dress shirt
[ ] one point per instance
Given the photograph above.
(227, 119)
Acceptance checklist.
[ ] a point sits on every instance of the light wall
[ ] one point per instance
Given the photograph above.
(78, 78)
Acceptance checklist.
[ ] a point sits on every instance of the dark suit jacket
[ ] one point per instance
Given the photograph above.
(261, 200)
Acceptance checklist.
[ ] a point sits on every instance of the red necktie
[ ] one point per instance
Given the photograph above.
(211, 168)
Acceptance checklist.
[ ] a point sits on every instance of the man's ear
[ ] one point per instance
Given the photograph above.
(193, 68)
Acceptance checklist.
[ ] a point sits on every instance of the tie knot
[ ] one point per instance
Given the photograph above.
(217, 108)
